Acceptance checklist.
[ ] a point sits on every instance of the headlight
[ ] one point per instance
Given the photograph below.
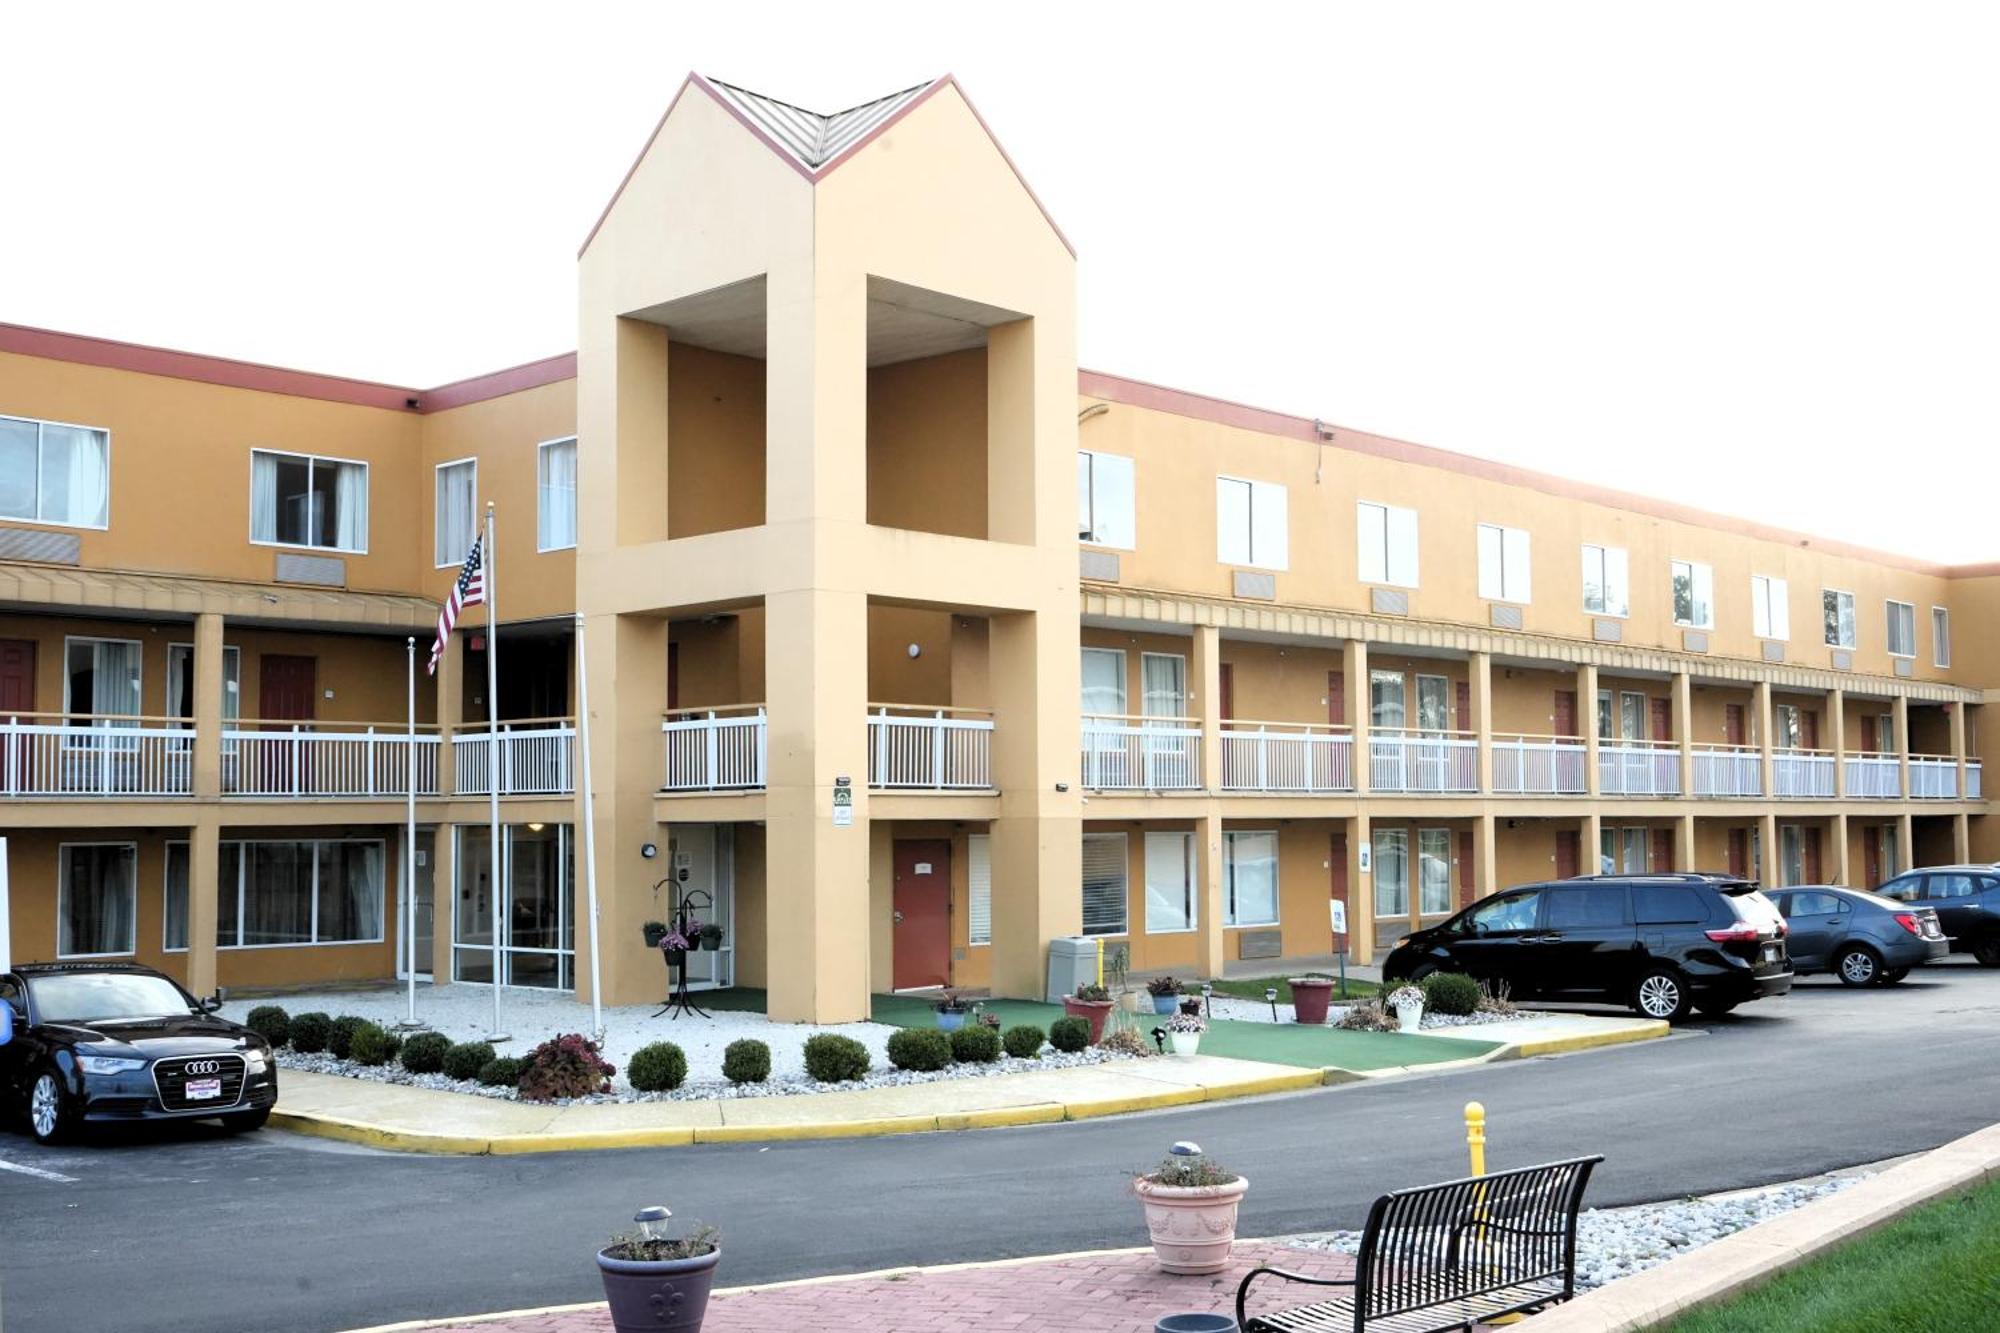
(255, 1062)
(108, 1064)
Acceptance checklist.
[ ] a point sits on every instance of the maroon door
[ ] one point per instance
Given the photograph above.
(1663, 850)
(1569, 851)
(1871, 854)
(286, 687)
(922, 901)
(1336, 698)
(1809, 728)
(1663, 720)
(1733, 730)
(1739, 852)
(1565, 713)
(1812, 866)
(17, 697)
(1465, 863)
(1337, 887)
(1464, 699)
(1226, 705)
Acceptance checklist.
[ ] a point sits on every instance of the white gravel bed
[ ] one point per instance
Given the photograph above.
(465, 1013)
(1617, 1242)
(1257, 1011)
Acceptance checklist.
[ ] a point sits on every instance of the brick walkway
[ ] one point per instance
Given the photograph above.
(1117, 1293)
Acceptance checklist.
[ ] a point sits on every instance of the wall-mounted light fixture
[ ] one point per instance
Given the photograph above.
(649, 850)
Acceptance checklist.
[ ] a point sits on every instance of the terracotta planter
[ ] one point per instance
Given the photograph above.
(1309, 999)
(1192, 1229)
(1093, 1012)
(666, 1294)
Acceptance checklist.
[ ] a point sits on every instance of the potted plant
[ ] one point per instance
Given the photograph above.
(1408, 1002)
(1191, 1208)
(1309, 998)
(1184, 1031)
(1165, 991)
(655, 1281)
(711, 936)
(654, 931)
(676, 943)
(952, 1008)
(1091, 1003)
(1191, 1004)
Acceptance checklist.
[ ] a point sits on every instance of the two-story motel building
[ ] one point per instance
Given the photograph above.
(835, 507)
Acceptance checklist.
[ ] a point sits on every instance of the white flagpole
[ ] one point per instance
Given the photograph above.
(589, 830)
(496, 857)
(410, 847)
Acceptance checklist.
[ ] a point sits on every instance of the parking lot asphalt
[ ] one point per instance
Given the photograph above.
(187, 1229)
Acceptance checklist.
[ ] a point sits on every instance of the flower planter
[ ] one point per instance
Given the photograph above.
(950, 1020)
(1409, 1017)
(1309, 1001)
(1190, 1005)
(1192, 1228)
(1185, 1043)
(1093, 1012)
(654, 1295)
(1165, 1004)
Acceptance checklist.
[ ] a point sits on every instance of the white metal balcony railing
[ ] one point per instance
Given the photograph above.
(535, 759)
(1539, 766)
(1286, 757)
(1405, 761)
(716, 749)
(1802, 773)
(45, 754)
(336, 759)
(1728, 770)
(1638, 768)
(1141, 754)
(1933, 777)
(935, 749)
(1873, 777)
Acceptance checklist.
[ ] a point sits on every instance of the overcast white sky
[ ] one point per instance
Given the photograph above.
(1737, 255)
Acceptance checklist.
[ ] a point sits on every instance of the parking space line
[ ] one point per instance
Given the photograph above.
(37, 1172)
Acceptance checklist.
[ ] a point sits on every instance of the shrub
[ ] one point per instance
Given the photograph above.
(466, 1058)
(270, 1022)
(1069, 1034)
(565, 1066)
(340, 1034)
(1024, 1041)
(921, 1049)
(424, 1053)
(660, 1067)
(976, 1045)
(746, 1061)
(504, 1072)
(1368, 1016)
(309, 1032)
(835, 1059)
(1450, 993)
(1496, 997)
(1126, 1041)
(370, 1045)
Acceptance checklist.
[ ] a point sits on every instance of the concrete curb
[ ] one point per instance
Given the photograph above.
(1756, 1254)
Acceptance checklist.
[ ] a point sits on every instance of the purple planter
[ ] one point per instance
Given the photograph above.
(648, 1296)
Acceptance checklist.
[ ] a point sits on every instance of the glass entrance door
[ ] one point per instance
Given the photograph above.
(703, 858)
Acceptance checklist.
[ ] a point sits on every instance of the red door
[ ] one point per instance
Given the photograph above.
(1336, 698)
(17, 697)
(1463, 722)
(1227, 703)
(1812, 866)
(1565, 713)
(1465, 864)
(1871, 854)
(1663, 850)
(922, 901)
(1569, 851)
(1337, 891)
(1739, 852)
(1809, 728)
(1733, 729)
(286, 687)
(1663, 720)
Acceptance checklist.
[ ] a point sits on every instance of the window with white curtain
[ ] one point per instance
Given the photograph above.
(1386, 544)
(1504, 574)
(298, 500)
(1770, 608)
(285, 892)
(1694, 594)
(1386, 706)
(1104, 884)
(97, 899)
(1105, 500)
(1838, 611)
(1606, 581)
(1104, 682)
(1170, 883)
(1902, 629)
(1164, 677)
(55, 473)
(1433, 871)
(180, 682)
(1392, 873)
(555, 490)
(1250, 523)
(457, 487)
(101, 679)
(979, 882)
(1250, 878)
(1940, 637)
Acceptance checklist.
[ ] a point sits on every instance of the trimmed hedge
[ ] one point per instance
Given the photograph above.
(976, 1044)
(466, 1058)
(1024, 1041)
(831, 1058)
(1450, 993)
(1069, 1034)
(746, 1061)
(504, 1072)
(309, 1032)
(340, 1035)
(270, 1022)
(371, 1045)
(923, 1050)
(659, 1067)
(424, 1053)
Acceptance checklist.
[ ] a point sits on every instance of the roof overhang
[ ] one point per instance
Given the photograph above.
(116, 594)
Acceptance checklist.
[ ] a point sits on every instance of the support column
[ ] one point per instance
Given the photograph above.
(1836, 733)
(1586, 707)
(450, 686)
(1685, 852)
(1207, 671)
(1769, 871)
(1906, 842)
(1360, 891)
(1961, 837)
(444, 899)
(1486, 857)
(1842, 871)
(1210, 950)
(1591, 830)
(1683, 721)
(1354, 670)
(1761, 708)
(627, 658)
(1957, 715)
(207, 762)
(204, 865)
(1480, 668)
(1902, 715)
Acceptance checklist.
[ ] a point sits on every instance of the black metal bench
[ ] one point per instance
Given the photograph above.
(1448, 1256)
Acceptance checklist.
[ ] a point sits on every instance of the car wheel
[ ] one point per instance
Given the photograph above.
(1662, 994)
(1894, 975)
(1716, 1008)
(243, 1122)
(1858, 966)
(1987, 952)
(51, 1110)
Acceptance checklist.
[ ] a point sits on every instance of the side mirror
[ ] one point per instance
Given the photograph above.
(215, 1002)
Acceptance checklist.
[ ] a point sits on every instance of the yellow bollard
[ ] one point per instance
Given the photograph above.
(1475, 1141)
(1100, 962)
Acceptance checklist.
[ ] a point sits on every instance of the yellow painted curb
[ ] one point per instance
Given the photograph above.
(507, 1145)
(377, 1136)
(1261, 1087)
(1584, 1041)
(819, 1129)
(1003, 1117)
(1145, 1101)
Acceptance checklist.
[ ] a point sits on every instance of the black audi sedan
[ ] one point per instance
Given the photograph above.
(100, 1042)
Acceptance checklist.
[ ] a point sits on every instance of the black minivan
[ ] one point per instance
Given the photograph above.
(1662, 944)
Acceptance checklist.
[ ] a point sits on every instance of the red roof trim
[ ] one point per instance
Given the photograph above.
(530, 375)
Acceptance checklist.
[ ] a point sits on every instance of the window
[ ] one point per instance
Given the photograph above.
(1163, 676)
(1170, 883)
(979, 883)
(1433, 871)
(1505, 914)
(1433, 705)
(101, 681)
(300, 501)
(1250, 879)
(1694, 595)
(97, 899)
(1392, 873)
(1940, 637)
(1250, 523)
(1839, 612)
(1792, 853)
(457, 509)
(180, 682)
(1104, 884)
(284, 893)
(1816, 904)
(1385, 700)
(1622, 851)
(1629, 722)
(1587, 909)
(53, 473)
(1666, 905)
(1606, 581)
(1104, 682)
(1105, 500)
(1902, 629)
(1789, 724)
(1770, 608)
(1386, 542)
(1892, 860)
(1503, 564)
(555, 496)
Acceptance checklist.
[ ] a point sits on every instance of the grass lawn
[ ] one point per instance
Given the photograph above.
(1934, 1270)
(1252, 988)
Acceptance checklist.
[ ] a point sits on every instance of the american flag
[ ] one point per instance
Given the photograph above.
(469, 590)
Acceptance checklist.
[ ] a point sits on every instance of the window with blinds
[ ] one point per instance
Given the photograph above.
(1104, 884)
(979, 879)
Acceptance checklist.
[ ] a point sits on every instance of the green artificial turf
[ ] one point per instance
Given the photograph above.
(1935, 1270)
(1253, 988)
